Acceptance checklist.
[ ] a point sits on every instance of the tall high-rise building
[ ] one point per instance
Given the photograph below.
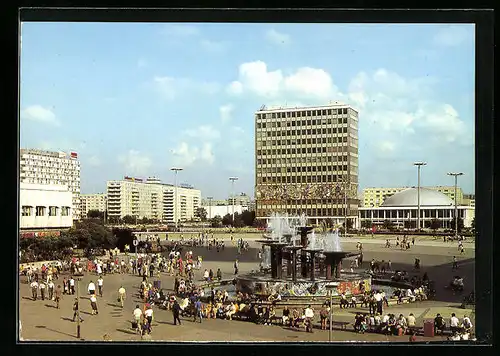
(374, 197)
(52, 168)
(306, 162)
(152, 199)
(92, 202)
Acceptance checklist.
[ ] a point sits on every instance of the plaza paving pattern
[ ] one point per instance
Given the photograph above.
(42, 321)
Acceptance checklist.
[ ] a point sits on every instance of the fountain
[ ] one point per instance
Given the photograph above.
(284, 238)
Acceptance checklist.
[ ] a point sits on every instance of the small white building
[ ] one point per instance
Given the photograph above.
(44, 206)
(222, 210)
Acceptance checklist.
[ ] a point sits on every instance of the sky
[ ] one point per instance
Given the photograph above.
(136, 99)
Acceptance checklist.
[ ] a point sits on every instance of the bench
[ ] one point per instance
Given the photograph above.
(276, 320)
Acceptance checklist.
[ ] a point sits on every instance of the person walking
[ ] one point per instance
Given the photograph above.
(148, 315)
(58, 295)
(219, 274)
(137, 318)
(34, 289)
(176, 309)
(100, 282)
(75, 310)
(42, 286)
(50, 287)
(236, 267)
(197, 308)
(72, 285)
(455, 263)
(93, 304)
(91, 288)
(121, 295)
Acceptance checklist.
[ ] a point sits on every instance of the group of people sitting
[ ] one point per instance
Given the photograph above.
(458, 328)
(387, 324)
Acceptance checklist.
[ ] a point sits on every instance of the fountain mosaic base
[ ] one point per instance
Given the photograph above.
(265, 285)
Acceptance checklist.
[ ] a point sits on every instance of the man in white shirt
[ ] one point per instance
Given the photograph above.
(50, 287)
(309, 314)
(378, 300)
(411, 320)
(137, 317)
(72, 285)
(91, 288)
(454, 323)
(41, 286)
(148, 314)
(122, 295)
(100, 282)
(34, 289)
(466, 324)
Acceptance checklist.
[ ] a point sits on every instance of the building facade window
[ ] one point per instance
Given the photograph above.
(40, 211)
(65, 211)
(27, 210)
(52, 210)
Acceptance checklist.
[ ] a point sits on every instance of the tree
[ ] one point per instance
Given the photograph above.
(366, 224)
(201, 213)
(248, 217)
(460, 224)
(129, 219)
(259, 223)
(473, 225)
(227, 220)
(388, 225)
(216, 221)
(123, 237)
(95, 214)
(435, 224)
(329, 223)
(114, 220)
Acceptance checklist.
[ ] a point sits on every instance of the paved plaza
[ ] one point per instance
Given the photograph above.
(42, 321)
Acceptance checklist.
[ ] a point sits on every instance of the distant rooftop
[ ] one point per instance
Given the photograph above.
(333, 104)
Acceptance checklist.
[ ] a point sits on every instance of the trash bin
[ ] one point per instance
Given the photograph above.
(157, 284)
(429, 328)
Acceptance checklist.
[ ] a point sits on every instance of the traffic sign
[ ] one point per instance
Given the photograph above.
(135, 242)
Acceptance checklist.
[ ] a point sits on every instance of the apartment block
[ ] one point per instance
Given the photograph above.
(306, 162)
(52, 168)
(374, 197)
(92, 202)
(152, 199)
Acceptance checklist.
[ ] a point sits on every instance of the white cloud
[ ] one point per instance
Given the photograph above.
(94, 161)
(386, 146)
(306, 82)
(235, 88)
(213, 46)
(181, 30)
(40, 114)
(277, 38)
(208, 87)
(167, 86)
(225, 112)
(398, 107)
(452, 35)
(135, 162)
(186, 155)
(170, 87)
(204, 132)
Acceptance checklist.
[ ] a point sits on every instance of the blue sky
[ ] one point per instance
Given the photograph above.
(136, 98)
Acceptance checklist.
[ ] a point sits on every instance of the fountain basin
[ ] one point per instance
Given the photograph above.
(264, 285)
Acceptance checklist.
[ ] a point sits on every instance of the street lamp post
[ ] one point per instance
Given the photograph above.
(78, 310)
(330, 292)
(233, 179)
(176, 170)
(209, 207)
(418, 164)
(456, 209)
